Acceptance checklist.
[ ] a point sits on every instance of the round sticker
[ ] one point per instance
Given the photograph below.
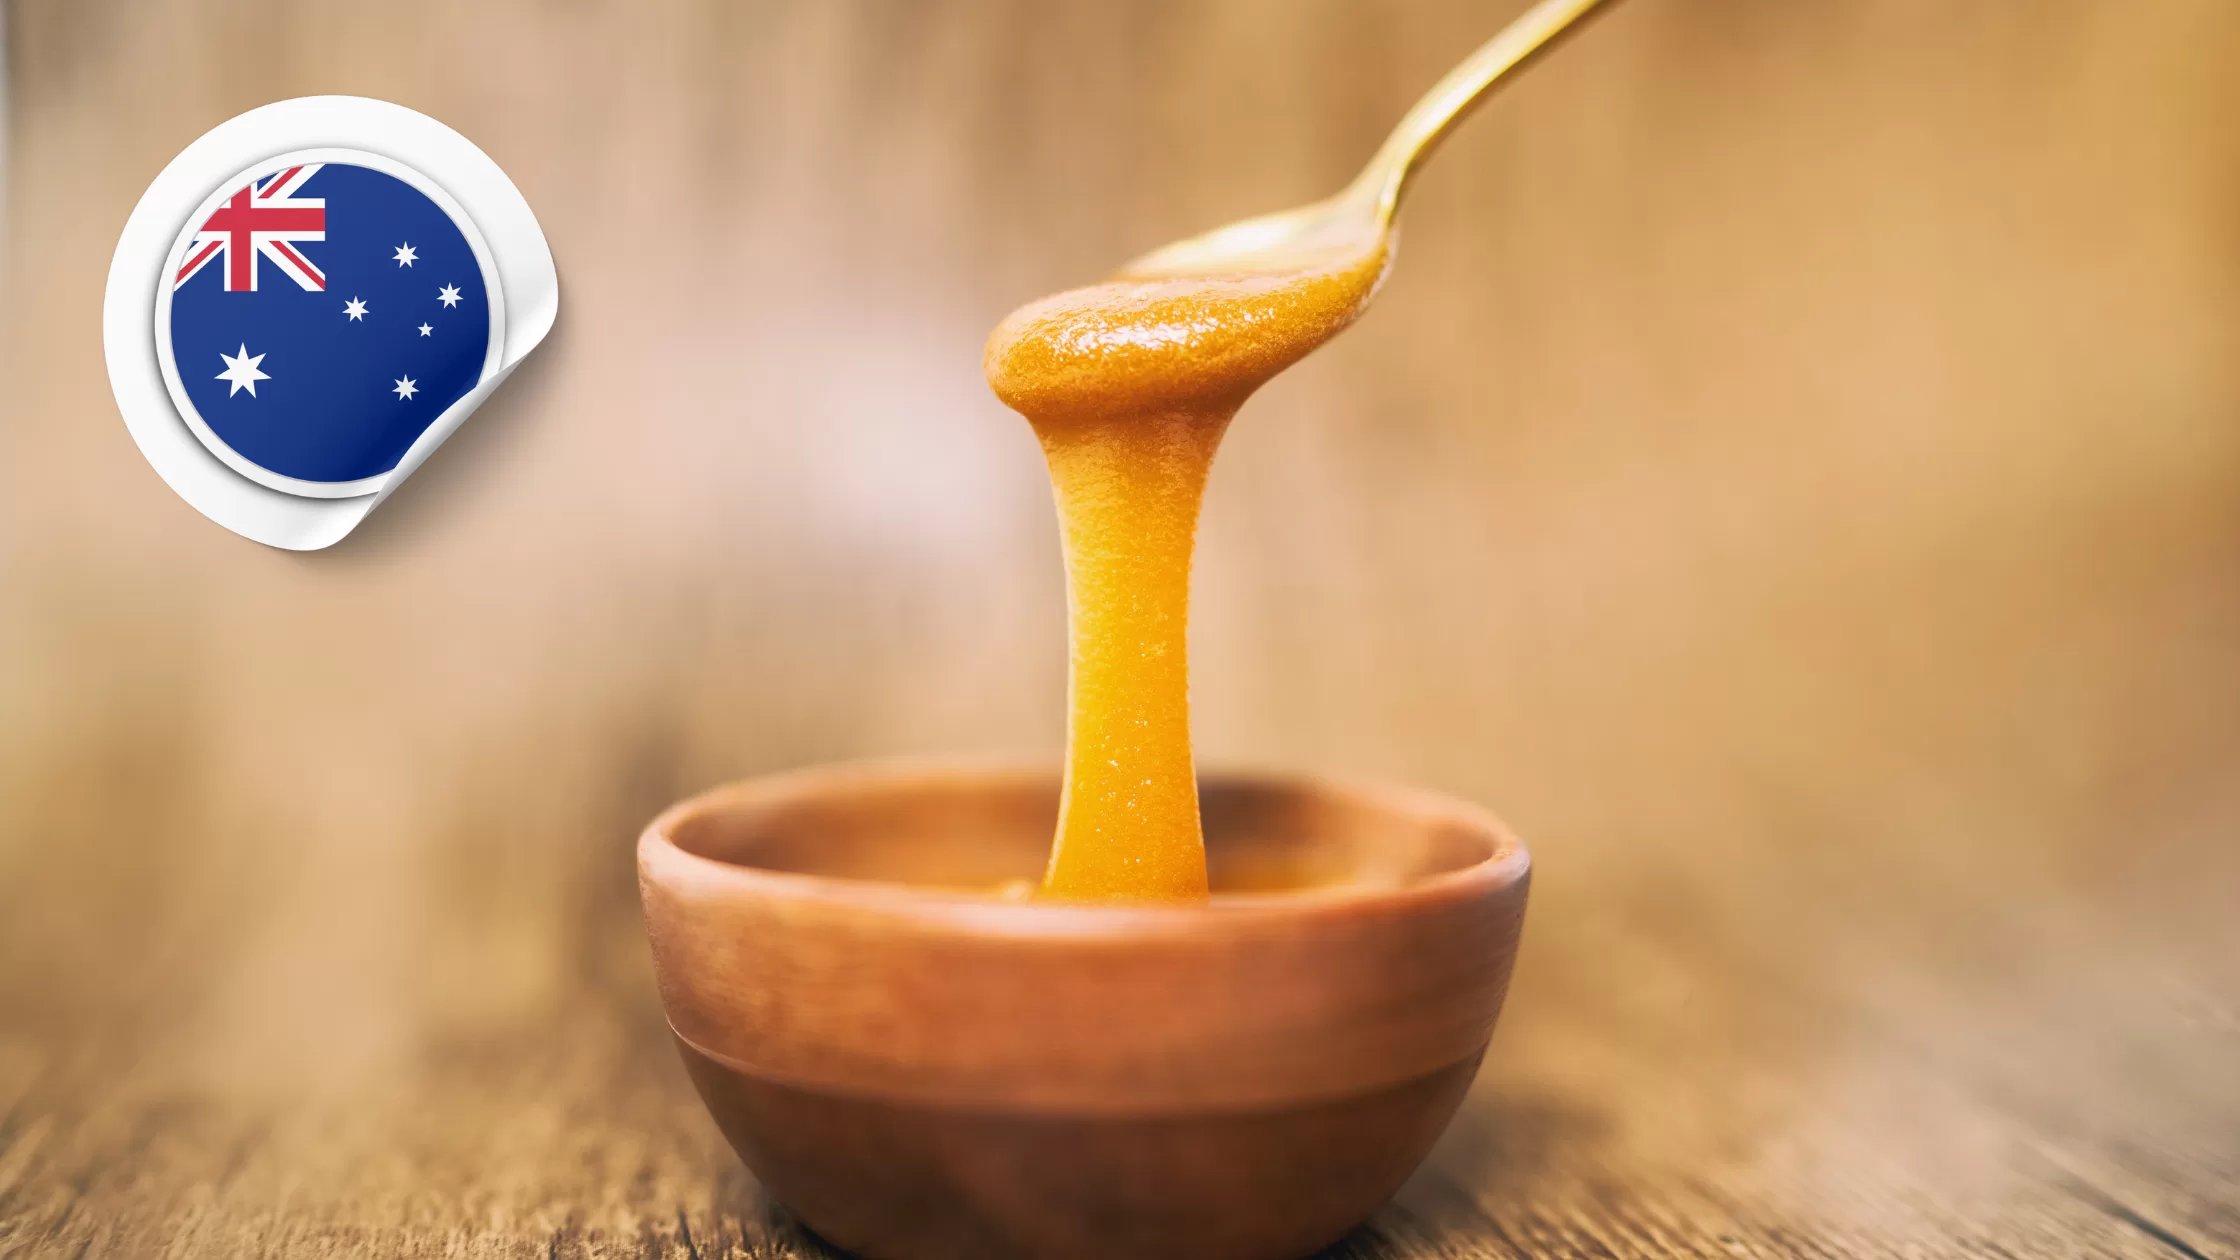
(308, 301)
(319, 312)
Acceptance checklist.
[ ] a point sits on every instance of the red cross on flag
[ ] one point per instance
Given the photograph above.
(262, 221)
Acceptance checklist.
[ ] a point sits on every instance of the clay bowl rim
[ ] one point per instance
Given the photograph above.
(986, 914)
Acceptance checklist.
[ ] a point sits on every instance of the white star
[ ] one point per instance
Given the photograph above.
(241, 371)
(405, 388)
(405, 255)
(354, 308)
(449, 296)
(425, 330)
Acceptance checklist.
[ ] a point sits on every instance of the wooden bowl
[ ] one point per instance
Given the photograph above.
(921, 1069)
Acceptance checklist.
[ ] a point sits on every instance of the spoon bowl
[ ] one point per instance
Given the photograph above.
(1319, 234)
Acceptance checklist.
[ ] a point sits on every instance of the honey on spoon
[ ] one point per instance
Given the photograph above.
(1130, 385)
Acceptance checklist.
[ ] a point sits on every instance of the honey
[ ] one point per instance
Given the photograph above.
(1130, 385)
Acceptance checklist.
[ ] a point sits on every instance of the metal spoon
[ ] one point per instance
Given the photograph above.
(1355, 220)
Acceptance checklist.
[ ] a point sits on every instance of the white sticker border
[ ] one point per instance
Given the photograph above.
(526, 277)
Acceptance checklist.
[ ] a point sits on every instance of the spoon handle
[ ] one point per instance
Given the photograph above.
(1453, 97)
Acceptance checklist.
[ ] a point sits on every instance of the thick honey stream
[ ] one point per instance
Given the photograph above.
(1130, 385)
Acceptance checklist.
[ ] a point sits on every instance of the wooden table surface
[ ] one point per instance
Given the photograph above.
(1793, 475)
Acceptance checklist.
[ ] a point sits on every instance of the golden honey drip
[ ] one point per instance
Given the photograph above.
(1130, 385)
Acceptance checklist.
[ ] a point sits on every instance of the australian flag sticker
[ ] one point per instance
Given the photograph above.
(319, 313)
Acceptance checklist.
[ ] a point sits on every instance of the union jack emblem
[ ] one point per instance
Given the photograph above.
(262, 220)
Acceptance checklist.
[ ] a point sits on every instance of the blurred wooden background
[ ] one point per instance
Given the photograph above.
(1793, 475)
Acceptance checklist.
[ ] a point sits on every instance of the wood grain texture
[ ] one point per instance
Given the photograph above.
(1792, 476)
